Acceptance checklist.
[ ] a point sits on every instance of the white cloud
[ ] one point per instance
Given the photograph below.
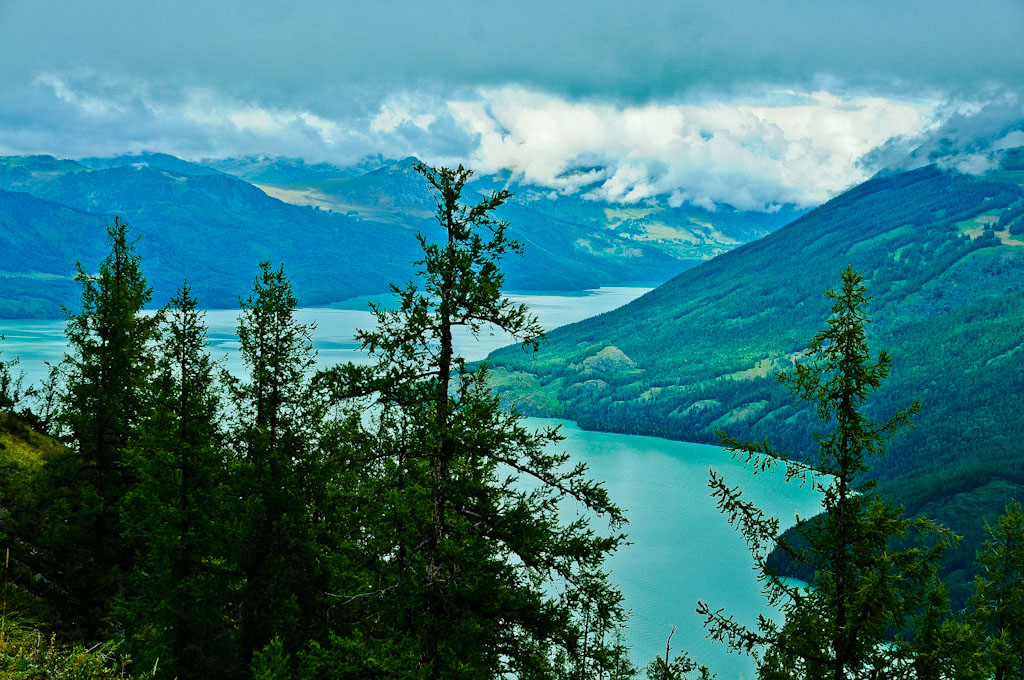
(401, 109)
(971, 163)
(208, 109)
(89, 103)
(768, 148)
(1010, 140)
(752, 153)
(969, 136)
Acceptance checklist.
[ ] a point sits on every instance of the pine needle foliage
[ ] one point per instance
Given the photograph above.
(284, 448)
(482, 568)
(873, 568)
(176, 597)
(109, 368)
(997, 605)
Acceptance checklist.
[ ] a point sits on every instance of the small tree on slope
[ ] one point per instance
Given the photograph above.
(998, 601)
(873, 567)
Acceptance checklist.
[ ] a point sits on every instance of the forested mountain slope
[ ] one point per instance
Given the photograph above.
(37, 269)
(943, 257)
(211, 227)
(640, 236)
(197, 221)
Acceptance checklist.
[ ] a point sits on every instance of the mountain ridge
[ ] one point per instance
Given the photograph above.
(214, 227)
(930, 254)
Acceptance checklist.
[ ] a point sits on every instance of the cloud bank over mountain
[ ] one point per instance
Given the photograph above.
(751, 152)
(753, 104)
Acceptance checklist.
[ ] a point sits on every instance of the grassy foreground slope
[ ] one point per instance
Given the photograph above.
(943, 256)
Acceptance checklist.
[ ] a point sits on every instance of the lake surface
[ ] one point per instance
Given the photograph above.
(40, 340)
(682, 548)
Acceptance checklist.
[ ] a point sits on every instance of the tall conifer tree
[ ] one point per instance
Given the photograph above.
(277, 419)
(478, 572)
(872, 567)
(109, 371)
(174, 515)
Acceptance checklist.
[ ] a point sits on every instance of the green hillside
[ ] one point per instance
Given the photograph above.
(39, 243)
(560, 252)
(211, 227)
(943, 257)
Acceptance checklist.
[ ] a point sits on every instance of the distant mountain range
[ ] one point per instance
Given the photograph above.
(340, 231)
(943, 257)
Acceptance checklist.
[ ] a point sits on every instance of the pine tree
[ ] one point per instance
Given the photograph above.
(872, 566)
(109, 369)
(946, 647)
(477, 572)
(277, 420)
(178, 594)
(997, 604)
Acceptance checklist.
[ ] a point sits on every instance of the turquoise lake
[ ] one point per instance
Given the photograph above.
(681, 548)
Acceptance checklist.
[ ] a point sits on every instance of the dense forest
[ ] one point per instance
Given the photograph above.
(163, 518)
(381, 521)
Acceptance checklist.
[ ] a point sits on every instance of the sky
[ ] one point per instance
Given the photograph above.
(748, 103)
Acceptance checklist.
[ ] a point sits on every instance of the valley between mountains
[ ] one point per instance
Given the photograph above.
(942, 254)
(341, 232)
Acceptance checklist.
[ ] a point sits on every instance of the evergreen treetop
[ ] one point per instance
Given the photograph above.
(997, 604)
(484, 572)
(873, 568)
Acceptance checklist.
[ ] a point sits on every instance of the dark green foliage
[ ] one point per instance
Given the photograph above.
(109, 371)
(682, 667)
(273, 438)
(475, 572)
(997, 605)
(11, 389)
(945, 646)
(873, 568)
(284, 476)
(199, 529)
(270, 529)
(264, 529)
(271, 662)
(977, 494)
(177, 595)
